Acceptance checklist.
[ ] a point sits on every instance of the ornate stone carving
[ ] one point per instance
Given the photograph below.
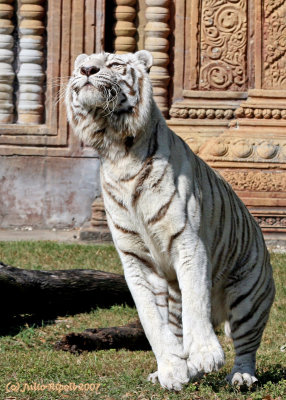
(157, 31)
(259, 113)
(256, 181)
(223, 45)
(125, 29)
(271, 221)
(274, 45)
(31, 73)
(6, 61)
(237, 149)
(201, 113)
(241, 149)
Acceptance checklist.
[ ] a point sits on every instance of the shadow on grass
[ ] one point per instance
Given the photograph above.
(272, 373)
(11, 326)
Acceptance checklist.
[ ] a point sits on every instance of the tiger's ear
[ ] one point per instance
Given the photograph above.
(79, 59)
(145, 58)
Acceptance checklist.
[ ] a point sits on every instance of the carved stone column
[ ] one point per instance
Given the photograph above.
(6, 62)
(31, 73)
(156, 41)
(125, 29)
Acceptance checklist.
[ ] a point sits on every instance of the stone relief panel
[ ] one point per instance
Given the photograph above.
(223, 45)
(277, 223)
(202, 113)
(255, 181)
(274, 44)
(239, 149)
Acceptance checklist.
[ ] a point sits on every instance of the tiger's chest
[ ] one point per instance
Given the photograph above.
(143, 215)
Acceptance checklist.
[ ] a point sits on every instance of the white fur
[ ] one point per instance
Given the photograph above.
(190, 250)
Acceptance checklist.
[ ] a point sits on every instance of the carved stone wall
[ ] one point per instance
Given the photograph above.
(41, 162)
(34, 72)
(274, 45)
(230, 105)
(227, 96)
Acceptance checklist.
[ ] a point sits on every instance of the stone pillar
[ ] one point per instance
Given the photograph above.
(97, 229)
(125, 13)
(31, 73)
(6, 62)
(156, 41)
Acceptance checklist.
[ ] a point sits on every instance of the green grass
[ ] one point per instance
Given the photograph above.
(50, 255)
(28, 355)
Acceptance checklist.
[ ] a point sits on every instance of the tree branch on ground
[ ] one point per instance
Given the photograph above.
(130, 337)
(59, 292)
(48, 294)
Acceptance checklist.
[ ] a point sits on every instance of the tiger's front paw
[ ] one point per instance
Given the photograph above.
(205, 358)
(172, 373)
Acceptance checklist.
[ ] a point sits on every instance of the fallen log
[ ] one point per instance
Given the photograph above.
(47, 294)
(130, 337)
(53, 293)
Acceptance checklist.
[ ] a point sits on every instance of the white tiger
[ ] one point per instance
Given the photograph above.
(193, 256)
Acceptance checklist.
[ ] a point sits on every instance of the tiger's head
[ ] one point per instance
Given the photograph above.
(109, 95)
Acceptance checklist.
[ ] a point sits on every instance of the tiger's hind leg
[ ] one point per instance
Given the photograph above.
(249, 307)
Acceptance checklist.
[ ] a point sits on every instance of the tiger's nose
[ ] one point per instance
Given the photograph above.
(89, 70)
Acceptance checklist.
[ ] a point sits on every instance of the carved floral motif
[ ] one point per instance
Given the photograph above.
(274, 44)
(223, 45)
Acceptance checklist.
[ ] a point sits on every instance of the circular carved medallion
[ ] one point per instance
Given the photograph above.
(266, 150)
(241, 149)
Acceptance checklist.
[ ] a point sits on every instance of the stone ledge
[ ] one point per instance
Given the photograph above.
(93, 235)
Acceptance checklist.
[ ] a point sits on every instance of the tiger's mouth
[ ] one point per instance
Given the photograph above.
(88, 84)
(99, 94)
